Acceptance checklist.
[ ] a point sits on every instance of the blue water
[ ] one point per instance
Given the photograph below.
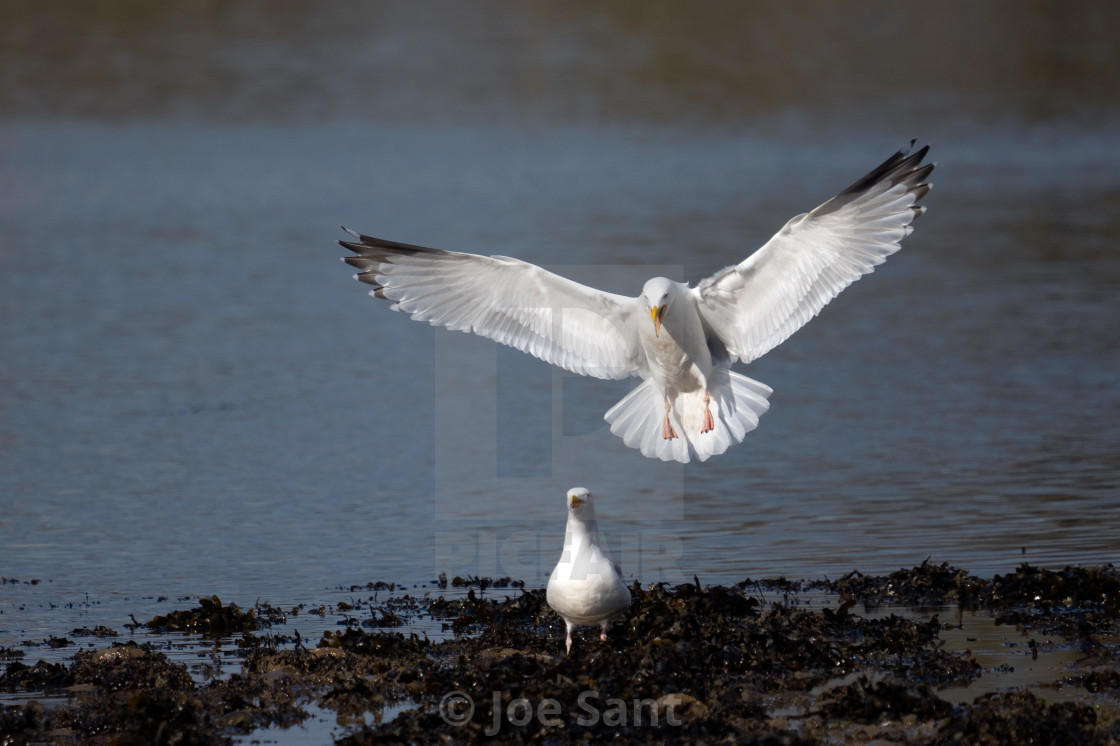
(195, 398)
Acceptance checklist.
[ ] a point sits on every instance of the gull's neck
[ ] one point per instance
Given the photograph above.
(581, 533)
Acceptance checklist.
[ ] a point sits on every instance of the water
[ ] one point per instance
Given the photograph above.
(195, 399)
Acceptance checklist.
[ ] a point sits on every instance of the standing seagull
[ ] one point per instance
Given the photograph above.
(681, 340)
(585, 587)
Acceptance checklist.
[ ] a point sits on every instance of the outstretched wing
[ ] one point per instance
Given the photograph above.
(516, 303)
(757, 304)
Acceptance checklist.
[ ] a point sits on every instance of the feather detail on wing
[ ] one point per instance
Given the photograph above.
(507, 300)
(757, 304)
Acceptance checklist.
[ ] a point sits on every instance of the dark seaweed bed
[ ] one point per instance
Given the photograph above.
(691, 663)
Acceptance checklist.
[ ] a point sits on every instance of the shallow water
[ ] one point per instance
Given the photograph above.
(195, 399)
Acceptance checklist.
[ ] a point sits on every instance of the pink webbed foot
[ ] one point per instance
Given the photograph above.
(667, 431)
(603, 635)
(709, 423)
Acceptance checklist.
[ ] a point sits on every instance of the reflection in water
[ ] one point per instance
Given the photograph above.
(195, 400)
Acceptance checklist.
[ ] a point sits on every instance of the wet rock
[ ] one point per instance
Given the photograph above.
(41, 676)
(383, 645)
(12, 653)
(129, 666)
(127, 695)
(23, 724)
(241, 720)
(385, 619)
(213, 619)
(1021, 718)
(864, 701)
(921, 586)
(1075, 602)
(98, 631)
(1095, 588)
(1098, 675)
(939, 668)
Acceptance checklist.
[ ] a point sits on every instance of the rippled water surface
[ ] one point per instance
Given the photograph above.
(195, 398)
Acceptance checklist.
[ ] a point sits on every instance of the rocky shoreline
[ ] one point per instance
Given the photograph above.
(690, 664)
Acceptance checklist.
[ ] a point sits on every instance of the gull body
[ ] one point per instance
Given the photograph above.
(681, 340)
(585, 588)
(680, 363)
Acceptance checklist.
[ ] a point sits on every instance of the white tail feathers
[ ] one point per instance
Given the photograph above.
(736, 403)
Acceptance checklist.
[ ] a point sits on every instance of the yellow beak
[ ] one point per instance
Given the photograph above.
(576, 502)
(656, 313)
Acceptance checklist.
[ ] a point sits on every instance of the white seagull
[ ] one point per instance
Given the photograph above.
(682, 340)
(585, 588)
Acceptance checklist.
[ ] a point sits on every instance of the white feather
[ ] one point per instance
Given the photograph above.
(736, 401)
(739, 313)
(757, 304)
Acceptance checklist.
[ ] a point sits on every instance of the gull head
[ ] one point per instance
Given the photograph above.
(657, 295)
(579, 502)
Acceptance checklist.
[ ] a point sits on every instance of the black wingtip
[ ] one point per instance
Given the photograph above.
(902, 165)
(365, 243)
(922, 173)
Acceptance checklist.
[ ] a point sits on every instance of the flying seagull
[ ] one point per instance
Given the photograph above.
(682, 340)
(585, 588)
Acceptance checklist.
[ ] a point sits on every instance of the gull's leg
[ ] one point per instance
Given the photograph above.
(603, 633)
(709, 423)
(568, 641)
(667, 431)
